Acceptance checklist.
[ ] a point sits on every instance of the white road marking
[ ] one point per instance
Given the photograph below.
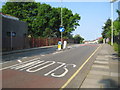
(42, 55)
(57, 52)
(36, 65)
(19, 61)
(24, 57)
(31, 65)
(5, 62)
(62, 64)
(30, 69)
(61, 75)
(23, 65)
(18, 64)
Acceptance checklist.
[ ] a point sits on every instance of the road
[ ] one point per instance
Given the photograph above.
(57, 69)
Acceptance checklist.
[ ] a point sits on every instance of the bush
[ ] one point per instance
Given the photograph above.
(117, 48)
(115, 45)
(100, 40)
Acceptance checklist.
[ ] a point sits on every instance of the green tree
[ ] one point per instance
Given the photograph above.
(0, 10)
(48, 33)
(116, 24)
(42, 17)
(21, 0)
(118, 11)
(107, 29)
(78, 38)
(25, 11)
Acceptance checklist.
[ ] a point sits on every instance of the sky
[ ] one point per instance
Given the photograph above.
(93, 15)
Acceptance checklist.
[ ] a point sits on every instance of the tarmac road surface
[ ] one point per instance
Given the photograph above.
(59, 69)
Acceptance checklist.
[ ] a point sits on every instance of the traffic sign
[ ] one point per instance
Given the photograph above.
(61, 29)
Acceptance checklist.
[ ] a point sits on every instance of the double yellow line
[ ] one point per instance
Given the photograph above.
(70, 79)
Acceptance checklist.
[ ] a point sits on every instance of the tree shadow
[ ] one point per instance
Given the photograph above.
(109, 84)
(115, 57)
(115, 54)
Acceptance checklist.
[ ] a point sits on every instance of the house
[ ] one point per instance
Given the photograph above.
(14, 33)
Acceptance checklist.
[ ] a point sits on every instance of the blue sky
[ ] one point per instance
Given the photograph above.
(93, 15)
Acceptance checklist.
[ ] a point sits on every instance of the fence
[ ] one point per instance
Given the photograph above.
(38, 42)
(24, 43)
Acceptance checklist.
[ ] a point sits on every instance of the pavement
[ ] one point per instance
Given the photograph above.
(26, 50)
(24, 53)
(104, 72)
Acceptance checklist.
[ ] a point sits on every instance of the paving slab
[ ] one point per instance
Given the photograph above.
(114, 74)
(104, 72)
(99, 72)
(101, 62)
(100, 66)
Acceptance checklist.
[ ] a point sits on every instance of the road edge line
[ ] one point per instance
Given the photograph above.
(70, 79)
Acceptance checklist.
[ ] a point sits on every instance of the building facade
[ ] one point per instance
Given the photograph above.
(14, 33)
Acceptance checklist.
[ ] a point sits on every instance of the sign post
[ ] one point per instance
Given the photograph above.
(61, 29)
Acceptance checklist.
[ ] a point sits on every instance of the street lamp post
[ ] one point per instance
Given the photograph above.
(112, 1)
(112, 23)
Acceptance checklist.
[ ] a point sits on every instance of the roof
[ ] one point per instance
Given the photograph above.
(9, 16)
(99, 38)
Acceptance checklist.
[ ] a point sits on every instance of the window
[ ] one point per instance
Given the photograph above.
(9, 34)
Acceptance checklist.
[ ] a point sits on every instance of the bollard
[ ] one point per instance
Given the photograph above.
(59, 45)
(65, 45)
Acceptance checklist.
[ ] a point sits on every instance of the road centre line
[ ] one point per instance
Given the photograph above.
(70, 79)
(18, 64)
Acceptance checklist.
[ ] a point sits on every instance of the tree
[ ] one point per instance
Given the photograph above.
(48, 33)
(42, 17)
(118, 11)
(116, 24)
(21, 0)
(107, 29)
(78, 38)
(0, 10)
(25, 11)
